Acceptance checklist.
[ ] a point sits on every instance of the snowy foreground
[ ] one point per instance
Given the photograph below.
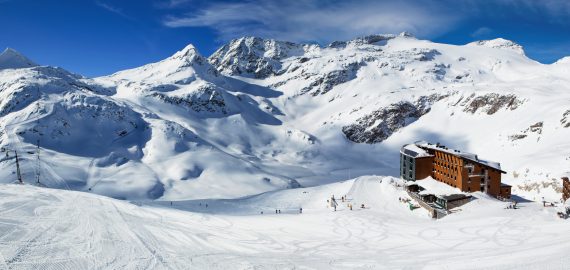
(55, 229)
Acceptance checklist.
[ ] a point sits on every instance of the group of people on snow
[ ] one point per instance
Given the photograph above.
(332, 203)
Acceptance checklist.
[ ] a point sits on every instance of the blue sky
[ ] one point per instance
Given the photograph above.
(99, 37)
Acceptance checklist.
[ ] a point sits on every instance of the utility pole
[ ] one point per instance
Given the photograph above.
(38, 107)
(38, 166)
(18, 173)
(18, 170)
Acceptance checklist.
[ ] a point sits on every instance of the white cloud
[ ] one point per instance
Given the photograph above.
(327, 20)
(168, 4)
(482, 32)
(113, 9)
(321, 21)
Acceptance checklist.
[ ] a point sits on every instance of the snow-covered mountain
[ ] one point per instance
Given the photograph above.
(260, 115)
(10, 59)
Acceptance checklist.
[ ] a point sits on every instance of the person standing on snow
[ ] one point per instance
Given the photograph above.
(334, 204)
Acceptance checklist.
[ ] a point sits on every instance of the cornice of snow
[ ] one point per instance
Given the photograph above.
(499, 43)
(12, 59)
(563, 61)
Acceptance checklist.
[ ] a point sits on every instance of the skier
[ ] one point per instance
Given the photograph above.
(333, 203)
(275, 211)
(350, 206)
(279, 211)
(301, 210)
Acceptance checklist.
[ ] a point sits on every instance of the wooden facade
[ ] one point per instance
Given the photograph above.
(460, 170)
(505, 191)
(565, 188)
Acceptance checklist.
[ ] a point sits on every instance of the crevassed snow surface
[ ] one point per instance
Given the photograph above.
(54, 229)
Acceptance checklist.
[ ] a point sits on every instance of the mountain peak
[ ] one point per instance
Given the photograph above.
(500, 43)
(188, 52)
(11, 59)
(255, 56)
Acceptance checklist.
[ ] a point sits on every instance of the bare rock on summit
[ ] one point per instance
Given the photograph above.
(255, 57)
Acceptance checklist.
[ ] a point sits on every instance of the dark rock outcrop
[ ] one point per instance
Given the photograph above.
(491, 103)
(380, 124)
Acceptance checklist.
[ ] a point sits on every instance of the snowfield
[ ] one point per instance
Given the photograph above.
(55, 229)
(182, 163)
(262, 115)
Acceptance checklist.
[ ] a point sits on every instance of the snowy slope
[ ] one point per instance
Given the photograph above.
(55, 229)
(261, 115)
(485, 97)
(10, 59)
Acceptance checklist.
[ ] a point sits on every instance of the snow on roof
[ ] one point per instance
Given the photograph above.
(413, 150)
(455, 197)
(436, 188)
(465, 155)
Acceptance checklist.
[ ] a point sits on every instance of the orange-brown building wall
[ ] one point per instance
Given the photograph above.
(505, 192)
(451, 170)
(447, 168)
(424, 167)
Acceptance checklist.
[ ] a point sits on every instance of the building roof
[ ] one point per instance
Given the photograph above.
(454, 197)
(432, 186)
(414, 151)
(505, 185)
(465, 155)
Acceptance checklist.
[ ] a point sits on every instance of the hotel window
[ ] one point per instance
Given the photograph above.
(482, 189)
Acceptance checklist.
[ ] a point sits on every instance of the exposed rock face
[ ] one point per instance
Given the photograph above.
(256, 57)
(205, 99)
(61, 125)
(322, 83)
(534, 128)
(565, 121)
(34, 82)
(380, 124)
(491, 103)
(378, 39)
(371, 39)
(553, 184)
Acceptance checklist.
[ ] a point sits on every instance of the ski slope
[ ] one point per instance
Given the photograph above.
(56, 229)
